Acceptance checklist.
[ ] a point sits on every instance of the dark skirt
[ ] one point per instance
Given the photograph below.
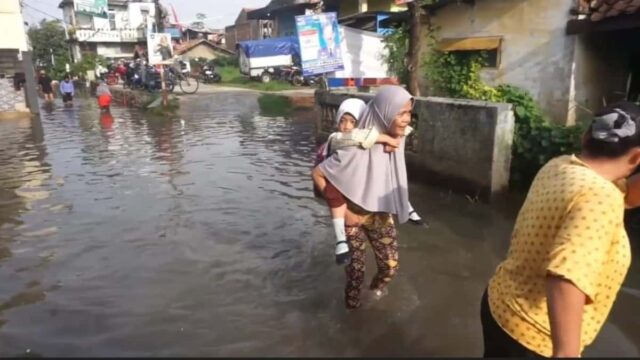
(67, 97)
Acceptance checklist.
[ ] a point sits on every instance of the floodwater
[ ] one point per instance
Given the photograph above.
(200, 236)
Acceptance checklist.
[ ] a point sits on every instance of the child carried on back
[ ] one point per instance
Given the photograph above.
(347, 135)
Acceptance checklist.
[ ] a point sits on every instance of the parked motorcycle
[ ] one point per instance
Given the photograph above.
(133, 76)
(312, 80)
(289, 73)
(153, 81)
(209, 75)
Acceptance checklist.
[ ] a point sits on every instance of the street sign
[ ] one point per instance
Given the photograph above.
(320, 40)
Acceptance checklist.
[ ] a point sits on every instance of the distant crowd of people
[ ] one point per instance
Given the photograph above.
(67, 90)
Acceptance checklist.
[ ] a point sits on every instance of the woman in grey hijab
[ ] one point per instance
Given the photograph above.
(374, 182)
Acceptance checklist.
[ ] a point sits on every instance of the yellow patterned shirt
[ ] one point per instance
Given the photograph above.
(570, 225)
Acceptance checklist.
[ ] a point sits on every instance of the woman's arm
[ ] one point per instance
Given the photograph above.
(388, 140)
(565, 303)
(318, 179)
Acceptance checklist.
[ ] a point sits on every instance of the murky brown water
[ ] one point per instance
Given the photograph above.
(200, 236)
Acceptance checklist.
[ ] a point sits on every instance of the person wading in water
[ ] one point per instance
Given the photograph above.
(374, 185)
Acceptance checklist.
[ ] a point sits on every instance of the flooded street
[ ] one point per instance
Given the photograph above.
(200, 236)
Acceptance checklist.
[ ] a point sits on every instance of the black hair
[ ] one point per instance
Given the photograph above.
(603, 149)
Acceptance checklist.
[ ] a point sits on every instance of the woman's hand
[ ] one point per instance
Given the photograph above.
(389, 148)
(319, 179)
(351, 219)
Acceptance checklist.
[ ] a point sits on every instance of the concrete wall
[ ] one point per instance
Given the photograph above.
(535, 55)
(12, 26)
(351, 7)
(466, 143)
(348, 7)
(384, 5)
(462, 145)
(115, 50)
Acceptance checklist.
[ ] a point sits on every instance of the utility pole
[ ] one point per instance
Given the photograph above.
(415, 44)
(159, 18)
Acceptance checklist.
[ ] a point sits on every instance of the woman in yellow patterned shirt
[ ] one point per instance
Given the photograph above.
(569, 251)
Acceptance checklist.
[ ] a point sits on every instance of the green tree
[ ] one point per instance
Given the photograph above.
(200, 23)
(396, 42)
(50, 50)
(404, 45)
(88, 62)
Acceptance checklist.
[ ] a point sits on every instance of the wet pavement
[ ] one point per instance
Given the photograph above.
(199, 236)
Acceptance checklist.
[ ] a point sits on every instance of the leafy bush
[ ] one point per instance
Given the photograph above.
(229, 61)
(537, 140)
(457, 75)
(88, 62)
(396, 42)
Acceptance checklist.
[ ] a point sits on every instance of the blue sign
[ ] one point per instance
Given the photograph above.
(319, 38)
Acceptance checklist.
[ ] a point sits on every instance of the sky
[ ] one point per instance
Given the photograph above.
(220, 13)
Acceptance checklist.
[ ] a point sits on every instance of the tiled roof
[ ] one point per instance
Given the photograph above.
(598, 10)
(191, 44)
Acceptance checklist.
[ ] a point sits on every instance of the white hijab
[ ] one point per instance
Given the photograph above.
(352, 106)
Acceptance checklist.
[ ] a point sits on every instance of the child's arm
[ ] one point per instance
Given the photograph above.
(365, 138)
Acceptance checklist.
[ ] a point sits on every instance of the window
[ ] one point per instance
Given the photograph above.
(491, 46)
(112, 20)
(127, 49)
(145, 18)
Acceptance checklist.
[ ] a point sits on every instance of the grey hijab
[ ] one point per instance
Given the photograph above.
(373, 179)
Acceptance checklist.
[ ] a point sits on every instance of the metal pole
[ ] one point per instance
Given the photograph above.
(165, 94)
(31, 94)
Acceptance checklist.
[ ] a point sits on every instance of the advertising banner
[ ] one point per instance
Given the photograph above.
(97, 8)
(319, 38)
(159, 47)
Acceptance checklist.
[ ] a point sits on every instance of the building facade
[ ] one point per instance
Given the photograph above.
(245, 29)
(114, 36)
(361, 14)
(13, 43)
(571, 74)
